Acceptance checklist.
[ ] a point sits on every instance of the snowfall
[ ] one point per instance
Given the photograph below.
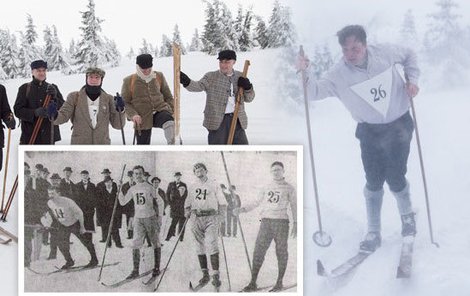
(443, 125)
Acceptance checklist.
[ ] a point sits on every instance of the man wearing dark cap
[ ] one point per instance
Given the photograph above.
(176, 194)
(106, 197)
(29, 106)
(66, 186)
(101, 211)
(91, 110)
(221, 89)
(85, 198)
(149, 102)
(7, 117)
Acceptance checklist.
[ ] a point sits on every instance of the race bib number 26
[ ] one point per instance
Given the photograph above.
(376, 91)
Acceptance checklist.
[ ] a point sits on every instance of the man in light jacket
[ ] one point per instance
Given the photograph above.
(370, 86)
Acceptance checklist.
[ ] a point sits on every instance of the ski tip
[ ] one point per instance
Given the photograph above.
(191, 286)
(320, 268)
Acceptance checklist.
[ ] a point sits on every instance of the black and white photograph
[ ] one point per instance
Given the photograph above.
(192, 220)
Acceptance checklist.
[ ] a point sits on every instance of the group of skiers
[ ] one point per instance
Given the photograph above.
(146, 101)
(60, 207)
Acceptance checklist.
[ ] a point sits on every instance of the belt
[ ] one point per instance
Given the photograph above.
(203, 213)
(229, 114)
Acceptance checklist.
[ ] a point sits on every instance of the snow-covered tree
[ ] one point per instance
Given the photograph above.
(280, 30)
(242, 26)
(146, 47)
(53, 52)
(9, 54)
(230, 36)
(289, 91)
(177, 39)
(213, 31)
(261, 33)
(93, 50)
(196, 44)
(322, 61)
(131, 54)
(444, 46)
(408, 34)
(166, 48)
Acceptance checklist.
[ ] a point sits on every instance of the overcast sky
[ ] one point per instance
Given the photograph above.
(127, 22)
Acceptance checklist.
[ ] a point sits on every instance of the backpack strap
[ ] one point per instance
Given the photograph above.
(28, 89)
(158, 82)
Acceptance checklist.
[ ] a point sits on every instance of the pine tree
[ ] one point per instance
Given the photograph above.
(242, 25)
(444, 47)
(30, 35)
(280, 30)
(408, 35)
(322, 61)
(443, 29)
(261, 33)
(230, 36)
(166, 48)
(145, 47)
(195, 42)
(213, 31)
(130, 55)
(9, 57)
(177, 39)
(94, 50)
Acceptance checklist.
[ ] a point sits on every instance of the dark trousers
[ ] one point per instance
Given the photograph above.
(172, 230)
(384, 152)
(28, 245)
(53, 242)
(220, 135)
(63, 238)
(159, 119)
(114, 234)
(271, 229)
(1, 159)
(232, 221)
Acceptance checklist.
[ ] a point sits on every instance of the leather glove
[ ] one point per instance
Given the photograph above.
(41, 112)
(52, 110)
(119, 103)
(245, 83)
(184, 79)
(10, 122)
(51, 90)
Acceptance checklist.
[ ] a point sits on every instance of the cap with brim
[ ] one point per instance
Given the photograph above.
(227, 55)
(38, 64)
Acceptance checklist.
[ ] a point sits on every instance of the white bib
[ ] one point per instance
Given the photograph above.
(376, 91)
(93, 108)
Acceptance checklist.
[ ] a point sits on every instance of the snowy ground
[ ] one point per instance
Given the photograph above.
(444, 127)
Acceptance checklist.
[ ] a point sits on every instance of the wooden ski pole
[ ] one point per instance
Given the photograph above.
(10, 200)
(233, 124)
(110, 228)
(6, 169)
(36, 129)
(239, 222)
(421, 163)
(120, 122)
(320, 237)
(171, 255)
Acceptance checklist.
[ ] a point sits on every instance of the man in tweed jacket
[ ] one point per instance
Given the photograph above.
(221, 87)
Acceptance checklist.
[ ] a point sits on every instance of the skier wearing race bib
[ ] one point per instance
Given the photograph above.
(274, 200)
(147, 221)
(68, 218)
(368, 83)
(204, 206)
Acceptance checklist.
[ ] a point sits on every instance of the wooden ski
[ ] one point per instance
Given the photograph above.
(176, 93)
